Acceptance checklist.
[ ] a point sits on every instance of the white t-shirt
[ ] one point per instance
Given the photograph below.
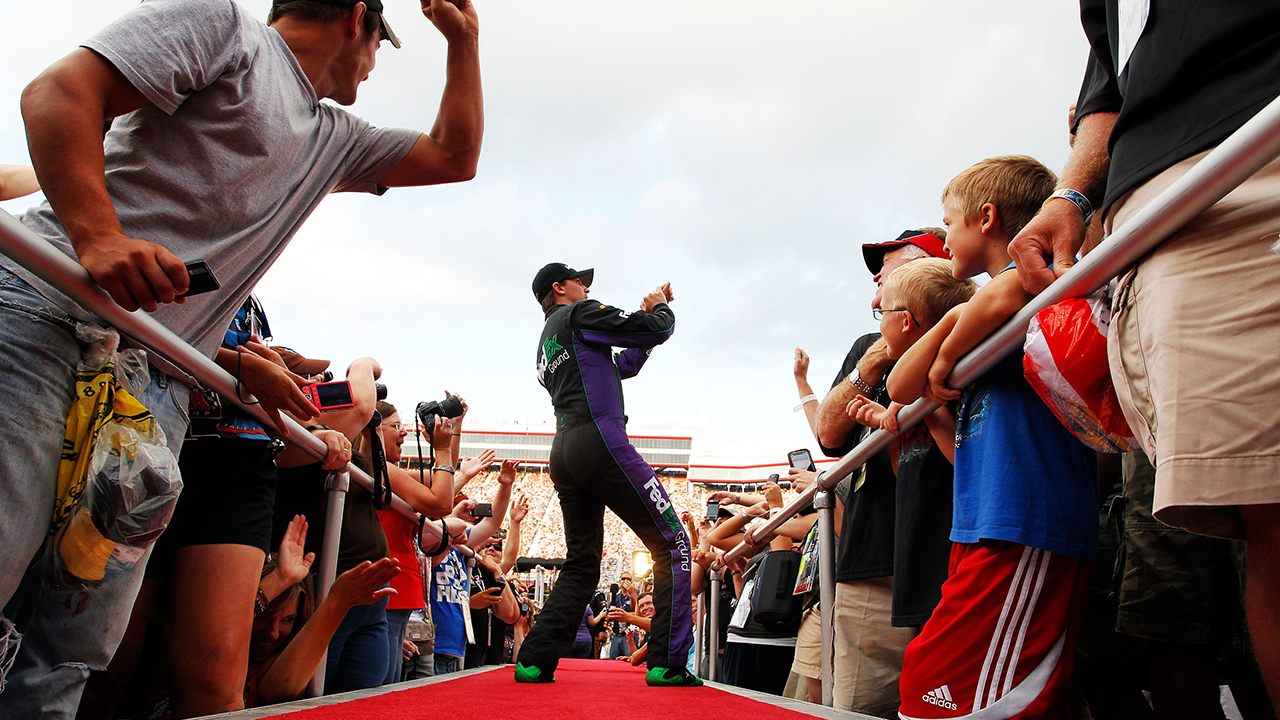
(234, 152)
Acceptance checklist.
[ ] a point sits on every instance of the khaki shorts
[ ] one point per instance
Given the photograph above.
(868, 649)
(1193, 350)
(808, 660)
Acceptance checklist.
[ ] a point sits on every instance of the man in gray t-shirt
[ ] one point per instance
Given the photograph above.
(219, 148)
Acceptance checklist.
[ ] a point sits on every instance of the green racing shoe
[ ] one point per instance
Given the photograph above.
(671, 677)
(532, 674)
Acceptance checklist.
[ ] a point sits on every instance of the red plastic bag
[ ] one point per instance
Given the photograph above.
(1065, 360)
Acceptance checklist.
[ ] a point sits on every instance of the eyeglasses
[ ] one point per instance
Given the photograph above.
(878, 313)
(397, 426)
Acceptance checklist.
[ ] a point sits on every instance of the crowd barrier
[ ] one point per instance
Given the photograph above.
(41, 258)
(1235, 160)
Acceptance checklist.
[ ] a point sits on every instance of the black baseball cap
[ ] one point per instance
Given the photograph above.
(373, 6)
(553, 273)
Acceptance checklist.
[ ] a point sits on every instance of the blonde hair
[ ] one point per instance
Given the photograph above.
(928, 288)
(1016, 184)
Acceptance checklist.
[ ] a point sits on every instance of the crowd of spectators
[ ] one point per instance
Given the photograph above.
(988, 562)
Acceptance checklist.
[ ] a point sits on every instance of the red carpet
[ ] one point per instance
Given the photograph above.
(587, 689)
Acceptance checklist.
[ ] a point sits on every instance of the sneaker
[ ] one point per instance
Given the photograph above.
(532, 674)
(671, 677)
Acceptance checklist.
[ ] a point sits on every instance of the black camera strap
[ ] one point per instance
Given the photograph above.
(378, 466)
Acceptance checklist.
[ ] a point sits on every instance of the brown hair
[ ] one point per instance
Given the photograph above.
(928, 288)
(319, 12)
(302, 591)
(548, 300)
(386, 410)
(1016, 184)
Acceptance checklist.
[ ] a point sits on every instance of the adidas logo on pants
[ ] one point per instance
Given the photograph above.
(940, 697)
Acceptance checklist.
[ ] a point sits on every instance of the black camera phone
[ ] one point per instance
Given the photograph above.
(801, 459)
(200, 279)
(713, 510)
(483, 510)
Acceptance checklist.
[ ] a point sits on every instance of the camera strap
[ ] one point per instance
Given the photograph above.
(378, 466)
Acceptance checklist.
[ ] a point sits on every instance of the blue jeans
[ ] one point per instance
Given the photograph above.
(65, 633)
(446, 664)
(618, 647)
(358, 651)
(397, 622)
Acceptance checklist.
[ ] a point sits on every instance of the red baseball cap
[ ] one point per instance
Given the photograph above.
(874, 253)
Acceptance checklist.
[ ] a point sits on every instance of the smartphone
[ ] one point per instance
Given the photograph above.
(713, 510)
(200, 279)
(801, 459)
(329, 396)
(483, 510)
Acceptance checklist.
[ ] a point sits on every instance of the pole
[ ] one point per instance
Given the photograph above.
(336, 485)
(1248, 149)
(699, 634)
(539, 589)
(713, 629)
(825, 503)
(38, 256)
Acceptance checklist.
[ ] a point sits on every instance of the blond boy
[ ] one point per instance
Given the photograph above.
(1001, 642)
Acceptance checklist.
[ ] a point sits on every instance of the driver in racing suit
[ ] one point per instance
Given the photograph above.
(594, 466)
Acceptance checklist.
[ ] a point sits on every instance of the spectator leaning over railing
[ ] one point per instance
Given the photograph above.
(429, 494)
(1192, 339)
(179, 77)
(450, 592)
(868, 650)
(1026, 490)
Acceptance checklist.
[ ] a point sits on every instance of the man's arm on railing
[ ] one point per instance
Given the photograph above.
(63, 110)
(1058, 230)
(834, 424)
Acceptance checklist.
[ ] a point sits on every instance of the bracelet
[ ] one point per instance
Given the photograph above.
(806, 399)
(861, 385)
(259, 603)
(1076, 198)
(456, 434)
(313, 428)
(445, 468)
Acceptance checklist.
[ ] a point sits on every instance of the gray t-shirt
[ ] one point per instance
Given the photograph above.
(234, 152)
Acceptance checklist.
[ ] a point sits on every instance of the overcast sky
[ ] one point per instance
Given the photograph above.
(742, 151)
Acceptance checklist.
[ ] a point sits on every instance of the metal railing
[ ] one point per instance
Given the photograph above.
(53, 266)
(1235, 160)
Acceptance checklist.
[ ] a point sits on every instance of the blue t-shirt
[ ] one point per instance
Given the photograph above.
(1021, 476)
(450, 596)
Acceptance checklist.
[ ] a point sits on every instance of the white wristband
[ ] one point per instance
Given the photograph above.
(807, 398)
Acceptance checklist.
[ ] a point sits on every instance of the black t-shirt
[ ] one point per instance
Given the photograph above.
(922, 544)
(1199, 71)
(490, 632)
(866, 538)
(300, 491)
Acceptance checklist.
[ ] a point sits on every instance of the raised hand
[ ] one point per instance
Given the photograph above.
(507, 475)
(455, 19)
(801, 479)
(486, 598)
(476, 465)
(292, 562)
(520, 509)
(773, 495)
(801, 367)
(363, 584)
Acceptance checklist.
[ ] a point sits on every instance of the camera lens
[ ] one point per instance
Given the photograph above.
(381, 390)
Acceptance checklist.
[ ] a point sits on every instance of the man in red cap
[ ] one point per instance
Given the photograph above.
(870, 641)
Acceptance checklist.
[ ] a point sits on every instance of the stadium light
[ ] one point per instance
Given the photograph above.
(641, 563)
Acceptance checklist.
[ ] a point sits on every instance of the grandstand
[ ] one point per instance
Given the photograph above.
(688, 481)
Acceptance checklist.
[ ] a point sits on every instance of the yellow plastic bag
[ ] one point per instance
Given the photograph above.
(118, 481)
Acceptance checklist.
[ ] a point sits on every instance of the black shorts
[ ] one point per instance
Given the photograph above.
(228, 493)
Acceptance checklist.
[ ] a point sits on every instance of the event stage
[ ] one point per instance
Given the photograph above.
(583, 690)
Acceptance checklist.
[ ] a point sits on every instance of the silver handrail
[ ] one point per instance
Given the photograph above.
(53, 266)
(1241, 155)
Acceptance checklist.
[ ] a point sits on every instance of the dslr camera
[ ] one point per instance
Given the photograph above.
(450, 407)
